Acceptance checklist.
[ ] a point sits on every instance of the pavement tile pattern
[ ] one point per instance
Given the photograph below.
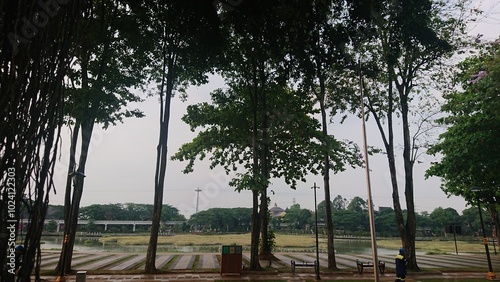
(206, 267)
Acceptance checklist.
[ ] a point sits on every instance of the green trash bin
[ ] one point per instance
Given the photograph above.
(232, 259)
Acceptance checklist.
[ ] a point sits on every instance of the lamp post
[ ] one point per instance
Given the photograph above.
(316, 229)
(368, 183)
(491, 275)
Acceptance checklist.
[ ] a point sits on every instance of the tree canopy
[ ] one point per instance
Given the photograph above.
(108, 62)
(225, 135)
(398, 45)
(469, 150)
(470, 155)
(222, 220)
(288, 66)
(35, 57)
(182, 39)
(128, 211)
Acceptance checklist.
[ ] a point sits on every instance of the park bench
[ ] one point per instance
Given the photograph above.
(303, 264)
(361, 265)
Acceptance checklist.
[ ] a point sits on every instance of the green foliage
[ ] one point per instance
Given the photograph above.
(298, 218)
(355, 219)
(129, 211)
(181, 39)
(470, 221)
(222, 220)
(357, 204)
(442, 217)
(469, 147)
(108, 63)
(51, 226)
(385, 223)
(351, 220)
(339, 203)
(91, 226)
(399, 44)
(292, 138)
(321, 209)
(271, 240)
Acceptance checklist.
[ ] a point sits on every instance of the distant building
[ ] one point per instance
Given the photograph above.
(381, 209)
(277, 211)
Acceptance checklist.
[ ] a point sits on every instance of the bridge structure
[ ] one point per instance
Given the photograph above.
(106, 223)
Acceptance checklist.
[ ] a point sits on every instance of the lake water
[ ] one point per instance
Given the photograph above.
(92, 244)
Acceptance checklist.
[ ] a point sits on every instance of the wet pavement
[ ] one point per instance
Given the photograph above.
(207, 267)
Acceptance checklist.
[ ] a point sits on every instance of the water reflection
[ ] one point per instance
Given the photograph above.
(92, 244)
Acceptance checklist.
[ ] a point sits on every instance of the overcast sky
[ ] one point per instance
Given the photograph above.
(121, 164)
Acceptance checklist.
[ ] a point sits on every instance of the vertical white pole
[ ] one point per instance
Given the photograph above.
(198, 190)
(368, 183)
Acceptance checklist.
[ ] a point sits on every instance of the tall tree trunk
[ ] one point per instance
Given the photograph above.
(69, 183)
(72, 202)
(255, 232)
(332, 264)
(389, 145)
(496, 221)
(87, 127)
(405, 229)
(398, 212)
(32, 72)
(265, 250)
(411, 225)
(256, 189)
(31, 256)
(161, 155)
(71, 169)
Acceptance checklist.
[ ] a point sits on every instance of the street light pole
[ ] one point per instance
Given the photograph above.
(491, 275)
(368, 184)
(316, 229)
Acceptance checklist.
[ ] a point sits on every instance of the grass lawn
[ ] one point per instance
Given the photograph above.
(435, 246)
(287, 241)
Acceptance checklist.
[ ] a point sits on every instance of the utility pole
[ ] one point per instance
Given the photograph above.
(368, 183)
(316, 229)
(198, 190)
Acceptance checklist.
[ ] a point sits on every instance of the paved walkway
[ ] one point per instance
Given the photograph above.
(206, 267)
(264, 277)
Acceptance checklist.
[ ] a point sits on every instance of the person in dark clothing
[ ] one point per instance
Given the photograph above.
(401, 266)
(19, 255)
(12, 267)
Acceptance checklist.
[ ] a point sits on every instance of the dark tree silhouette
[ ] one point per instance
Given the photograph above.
(34, 59)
